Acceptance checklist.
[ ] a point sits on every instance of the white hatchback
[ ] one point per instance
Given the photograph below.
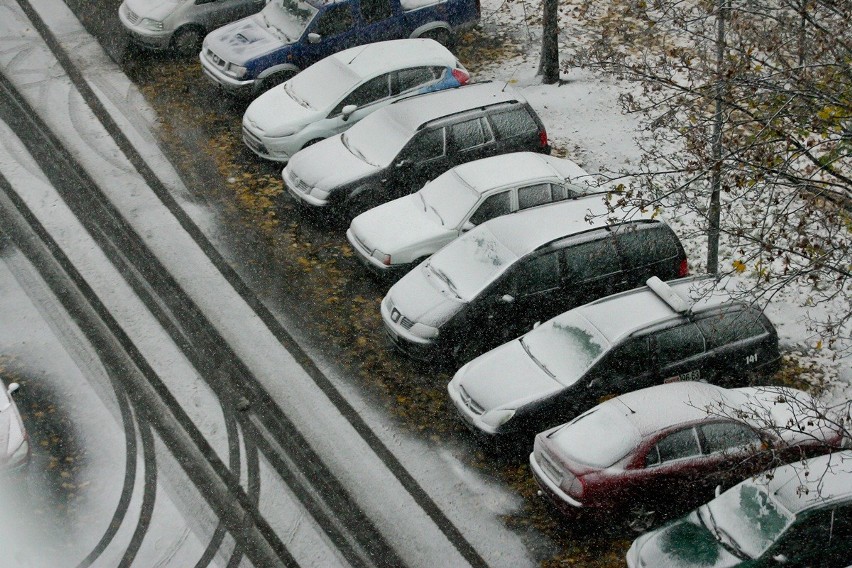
(397, 235)
(333, 94)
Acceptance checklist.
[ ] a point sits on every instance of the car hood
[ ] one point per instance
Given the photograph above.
(506, 377)
(399, 225)
(11, 432)
(421, 299)
(328, 164)
(153, 9)
(242, 41)
(685, 543)
(275, 113)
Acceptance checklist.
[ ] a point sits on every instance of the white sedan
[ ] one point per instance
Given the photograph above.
(397, 235)
(336, 92)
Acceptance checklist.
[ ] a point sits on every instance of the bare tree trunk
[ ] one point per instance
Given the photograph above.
(548, 66)
(716, 178)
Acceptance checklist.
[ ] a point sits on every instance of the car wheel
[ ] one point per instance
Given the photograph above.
(187, 41)
(275, 79)
(641, 517)
(441, 35)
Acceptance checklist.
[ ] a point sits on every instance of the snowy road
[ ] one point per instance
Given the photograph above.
(231, 433)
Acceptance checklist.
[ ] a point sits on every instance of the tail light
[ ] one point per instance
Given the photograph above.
(542, 137)
(461, 76)
(386, 260)
(683, 268)
(576, 488)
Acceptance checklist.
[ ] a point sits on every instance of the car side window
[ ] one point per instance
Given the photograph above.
(493, 206)
(539, 274)
(727, 436)
(592, 259)
(373, 90)
(678, 343)
(513, 122)
(679, 445)
(335, 20)
(469, 134)
(375, 10)
(539, 194)
(630, 359)
(408, 79)
(427, 146)
(725, 328)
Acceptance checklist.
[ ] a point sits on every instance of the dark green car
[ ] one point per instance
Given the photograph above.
(799, 515)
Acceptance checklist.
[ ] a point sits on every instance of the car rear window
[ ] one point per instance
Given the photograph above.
(598, 438)
(646, 243)
(725, 328)
(679, 343)
(512, 123)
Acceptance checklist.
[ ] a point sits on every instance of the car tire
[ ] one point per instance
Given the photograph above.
(187, 41)
(274, 80)
(442, 36)
(641, 517)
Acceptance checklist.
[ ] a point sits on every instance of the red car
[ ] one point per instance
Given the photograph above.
(642, 452)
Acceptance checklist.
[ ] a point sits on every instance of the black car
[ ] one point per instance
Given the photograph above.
(497, 280)
(398, 148)
(688, 330)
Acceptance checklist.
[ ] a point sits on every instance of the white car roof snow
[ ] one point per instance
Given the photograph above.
(517, 168)
(381, 57)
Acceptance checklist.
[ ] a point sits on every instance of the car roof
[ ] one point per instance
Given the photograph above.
(828, 481)
(526, 231)
(516, 168)
(380, 57)
(414, 112)
(642, 307)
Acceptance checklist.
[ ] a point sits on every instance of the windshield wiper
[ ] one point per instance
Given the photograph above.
(441, 219)
(355, 152)
(423, 200)
(278, 31)
(535, 359)
(289, 90)
(722, 535)
(446, 279)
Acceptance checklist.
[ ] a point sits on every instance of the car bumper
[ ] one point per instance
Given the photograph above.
(411, 345)
(229, 84)
(562, 500)
(159, 40)
(372, 263)
(480, 429)
(257, 145)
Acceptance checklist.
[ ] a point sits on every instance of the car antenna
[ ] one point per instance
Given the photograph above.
(627, 407)
(356, 55)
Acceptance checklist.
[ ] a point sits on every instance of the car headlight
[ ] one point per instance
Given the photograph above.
(153, 25)
(21, 453)
(236, 71)
(287, 131)
(424, 331)
(382, 257)
(496, 418)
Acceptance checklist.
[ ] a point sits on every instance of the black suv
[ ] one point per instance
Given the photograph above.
(497, 280)
(689, 329)
(397, 149)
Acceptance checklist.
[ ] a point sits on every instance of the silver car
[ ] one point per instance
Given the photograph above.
(180, 25)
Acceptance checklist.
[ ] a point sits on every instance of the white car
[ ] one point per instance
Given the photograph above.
(14, 442)
(397, 235)
(336, 92)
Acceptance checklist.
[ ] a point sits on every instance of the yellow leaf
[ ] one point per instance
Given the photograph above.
(739, 266)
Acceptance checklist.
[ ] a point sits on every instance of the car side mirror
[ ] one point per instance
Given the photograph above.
(467, 226)
(718, 490)
(12, 388)
(347, 111)
(536, 324)
(507, 298)
(314, 37)
(780, 559)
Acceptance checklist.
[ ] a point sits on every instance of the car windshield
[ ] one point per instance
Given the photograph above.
(448, 198)
(747, 518)
(377, 139)
(565, 347)
(321, 85)
(287, 19)
(582, 439)
(472, 262)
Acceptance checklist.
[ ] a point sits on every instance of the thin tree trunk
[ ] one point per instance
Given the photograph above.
(714, 213)
(548, 66)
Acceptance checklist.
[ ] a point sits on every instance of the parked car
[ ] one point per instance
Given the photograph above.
(651, 335)
(258, 52)
(395, 150)
(495, 281)
(335, 93)
(396, 236)
(180, 24)
(795, 515)
(14, 442)
(663, 447)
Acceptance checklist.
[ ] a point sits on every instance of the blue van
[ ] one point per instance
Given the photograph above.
(253, 54)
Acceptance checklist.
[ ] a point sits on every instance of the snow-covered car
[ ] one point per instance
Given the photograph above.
(395, 150)
(335, 93)
(14, 442)
(495, 281)
(180, 24)
(687, 330)
(263, 50)
(794, 515)
(397, 235)
(665, 447)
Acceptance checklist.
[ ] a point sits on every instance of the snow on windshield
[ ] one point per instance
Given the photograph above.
(566, 346)
(377, 139)
(288, 18)
(449, 198)
(472, 262)
(582, 441)
(323, 84)
(749, 516)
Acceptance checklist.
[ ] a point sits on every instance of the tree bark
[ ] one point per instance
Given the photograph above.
(548, 66)
(714, 213)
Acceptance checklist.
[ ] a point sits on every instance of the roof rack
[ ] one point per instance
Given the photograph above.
(669, 296)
